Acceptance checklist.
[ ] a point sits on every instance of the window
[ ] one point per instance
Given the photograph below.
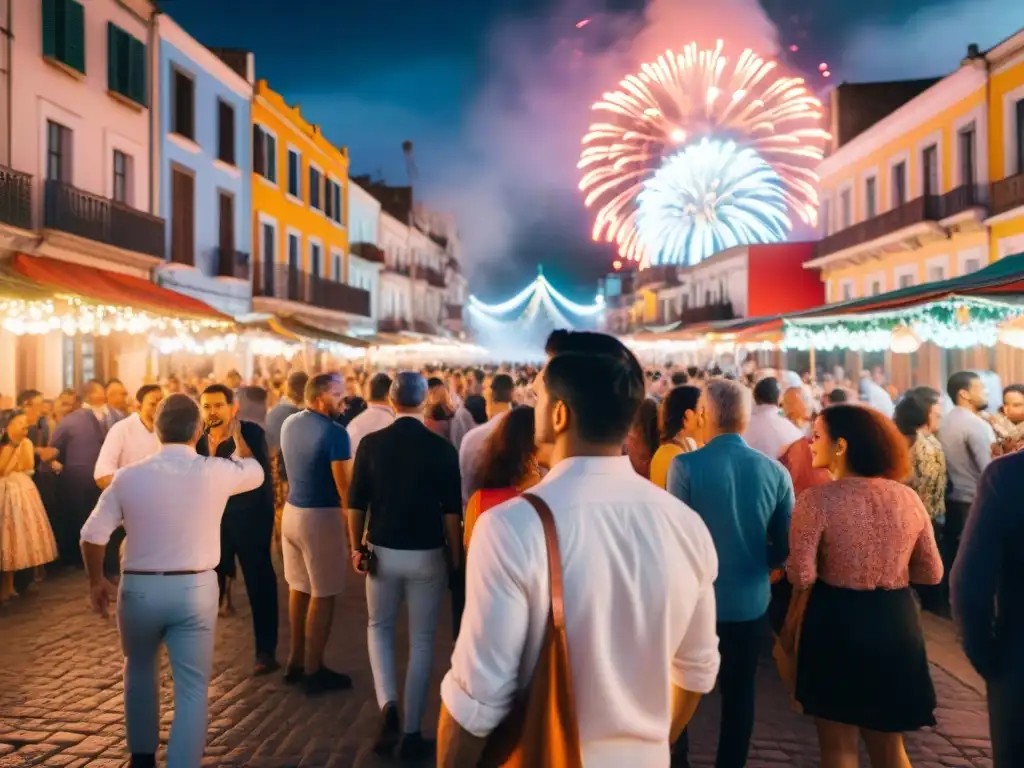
(876, 287)
(314, 188)
(183, 202)
(870, 197)
(225, 132)
(905, 281)
(845, 208)
(332, 200)
(122, 174)
(337, 266)
(972, 265)
(936, 273)
(226, 233)
(183, 118)
(58, 152)
(268, 237)
(825, 218)
(314, 259)
(847, 290)
(264, 153)
(966, 138)
(294, 173)
(64, 33)
(293, 251)
(930, 171)
(126, 64)
(1019, 137)
(899, 184)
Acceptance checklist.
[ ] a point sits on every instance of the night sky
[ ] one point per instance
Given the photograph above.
(494, 93)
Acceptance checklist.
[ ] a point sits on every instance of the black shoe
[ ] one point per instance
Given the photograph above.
(325, 680)
(265, 664)
(415, 747)
(390, 730)
(142, 761)
(294, 675)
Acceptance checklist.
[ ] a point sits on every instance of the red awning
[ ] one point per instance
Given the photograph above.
(101, 285)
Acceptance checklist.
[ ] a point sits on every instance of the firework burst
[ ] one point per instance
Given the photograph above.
(681, 99)
(708, 197)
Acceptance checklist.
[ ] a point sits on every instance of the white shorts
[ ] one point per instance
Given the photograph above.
(314, 548)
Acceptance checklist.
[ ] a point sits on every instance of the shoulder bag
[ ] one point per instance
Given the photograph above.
(541, 729)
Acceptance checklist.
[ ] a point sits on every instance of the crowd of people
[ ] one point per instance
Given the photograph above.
(654, 526)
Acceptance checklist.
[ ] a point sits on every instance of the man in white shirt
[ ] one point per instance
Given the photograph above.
(638, 574)
(132, 439)
(378, 413)
(171, 506)
(471, 452)
(769, 431)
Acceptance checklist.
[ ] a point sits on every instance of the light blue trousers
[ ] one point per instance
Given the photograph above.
(181, 613)
(421, 578)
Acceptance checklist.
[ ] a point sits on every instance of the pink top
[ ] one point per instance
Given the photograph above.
(862, 533)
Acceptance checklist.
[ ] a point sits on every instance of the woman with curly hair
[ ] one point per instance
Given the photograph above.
(509, 466)
(856, 544)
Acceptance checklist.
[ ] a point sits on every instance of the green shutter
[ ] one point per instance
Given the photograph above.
(137, 72)
(74, 35)
(50, 28)
(112, 62)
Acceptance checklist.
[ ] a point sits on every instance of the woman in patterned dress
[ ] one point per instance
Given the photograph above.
(26, 538)
(857, 543)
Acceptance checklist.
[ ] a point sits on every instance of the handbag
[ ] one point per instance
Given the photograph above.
(542, 729)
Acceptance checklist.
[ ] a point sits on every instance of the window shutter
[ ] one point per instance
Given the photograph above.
(271, 158)
(50, 28)
(226, 132)
(182, 218)
(327, 198)
(137, 90)
(112, 83)
(74, 35)
(257, 151)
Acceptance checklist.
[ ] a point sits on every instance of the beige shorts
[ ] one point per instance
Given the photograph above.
(314, 550)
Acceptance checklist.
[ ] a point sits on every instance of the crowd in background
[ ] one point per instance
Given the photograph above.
(835, 509)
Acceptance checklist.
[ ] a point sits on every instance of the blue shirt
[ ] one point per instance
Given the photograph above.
(746, 501)
(275, 421)
(310, 442)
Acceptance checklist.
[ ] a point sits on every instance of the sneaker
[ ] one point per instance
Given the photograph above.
(415, 747)
(294, 675)
(390, 730)
(325, 680)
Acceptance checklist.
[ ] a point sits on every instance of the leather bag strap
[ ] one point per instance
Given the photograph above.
(554, 557)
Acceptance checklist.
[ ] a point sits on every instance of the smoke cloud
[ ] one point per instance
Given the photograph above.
(930, 43)
(513, 171)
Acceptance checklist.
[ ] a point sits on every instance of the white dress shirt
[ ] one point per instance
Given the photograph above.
(170, 505)
(374, 418)
(770, 432)
(127, 442)
(471, 454)
(638, 573)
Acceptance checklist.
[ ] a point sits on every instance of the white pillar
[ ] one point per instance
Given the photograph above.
(132, 358)
(50, 368)
(8, 360)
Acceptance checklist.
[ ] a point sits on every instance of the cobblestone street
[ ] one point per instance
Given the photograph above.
(60, 697)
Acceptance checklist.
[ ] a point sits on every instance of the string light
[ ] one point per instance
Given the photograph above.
(956, 322)
(71, 316)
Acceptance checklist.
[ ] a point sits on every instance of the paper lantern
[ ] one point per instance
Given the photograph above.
(904, 341)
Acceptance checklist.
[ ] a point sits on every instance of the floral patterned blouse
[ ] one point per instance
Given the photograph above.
(862, 533)
(929, 474)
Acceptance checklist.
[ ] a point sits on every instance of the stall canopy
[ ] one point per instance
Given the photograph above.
(306, 330)
(103, 286)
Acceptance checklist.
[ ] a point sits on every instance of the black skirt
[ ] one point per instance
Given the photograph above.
(862, 660)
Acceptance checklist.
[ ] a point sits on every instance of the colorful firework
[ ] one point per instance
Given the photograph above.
(708, 197)
(680, 99)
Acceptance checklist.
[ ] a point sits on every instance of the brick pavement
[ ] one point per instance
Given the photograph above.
(60, 698)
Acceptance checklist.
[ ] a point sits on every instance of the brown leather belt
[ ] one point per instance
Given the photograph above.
(165, 573)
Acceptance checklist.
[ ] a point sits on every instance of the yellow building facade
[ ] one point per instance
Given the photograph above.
(1006, 142)
(299, 191)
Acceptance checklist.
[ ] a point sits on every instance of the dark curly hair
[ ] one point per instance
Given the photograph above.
(874, 446)
(509, 451)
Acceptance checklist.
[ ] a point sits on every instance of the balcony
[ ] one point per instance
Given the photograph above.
(232, 263)
(905, 217)
(709, 313)
(454, 312)
(15, 198)
(661, 275)
(399, 269)
(434, 278)
(964, 198)
(367, 251)
(1007, 194)
(392, 324)
(441, 240)
(103, 220)
(283, 281)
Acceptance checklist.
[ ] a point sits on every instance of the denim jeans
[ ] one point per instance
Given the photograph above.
(181, 613)
(421, 578)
